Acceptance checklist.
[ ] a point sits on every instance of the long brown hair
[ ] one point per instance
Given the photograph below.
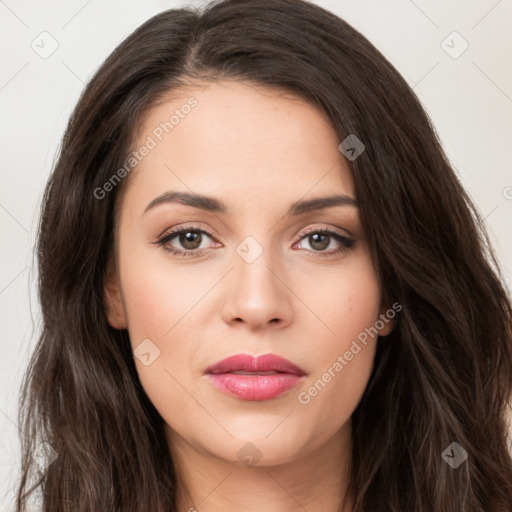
(443, 376)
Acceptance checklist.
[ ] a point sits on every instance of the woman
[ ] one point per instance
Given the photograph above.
(262, 285)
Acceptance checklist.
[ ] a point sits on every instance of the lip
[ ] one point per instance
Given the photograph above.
(255, 378)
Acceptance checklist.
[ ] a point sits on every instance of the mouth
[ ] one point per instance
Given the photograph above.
(255, 378)
(254, 373)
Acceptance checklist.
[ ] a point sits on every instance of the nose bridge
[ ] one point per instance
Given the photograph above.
(258, 294)
(252, 264)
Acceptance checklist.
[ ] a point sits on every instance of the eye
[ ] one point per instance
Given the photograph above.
(185, 241)
(321, 239)
(190, 241)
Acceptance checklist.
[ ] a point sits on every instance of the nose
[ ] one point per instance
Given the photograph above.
(258, 294)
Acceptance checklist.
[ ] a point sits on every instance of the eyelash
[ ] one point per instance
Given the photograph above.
(346, 243)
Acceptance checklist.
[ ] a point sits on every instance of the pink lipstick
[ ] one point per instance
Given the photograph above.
(254, 378)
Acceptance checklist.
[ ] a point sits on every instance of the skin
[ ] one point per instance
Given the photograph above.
(258, 151)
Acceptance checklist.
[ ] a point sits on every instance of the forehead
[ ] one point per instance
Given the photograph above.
(241, 142)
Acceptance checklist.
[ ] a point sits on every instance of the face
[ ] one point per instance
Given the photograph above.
(262, 268)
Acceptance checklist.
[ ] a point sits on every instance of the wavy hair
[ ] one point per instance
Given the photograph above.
(445, 373)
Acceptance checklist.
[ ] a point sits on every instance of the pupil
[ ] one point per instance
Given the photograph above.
(315, 242)
(190, 240)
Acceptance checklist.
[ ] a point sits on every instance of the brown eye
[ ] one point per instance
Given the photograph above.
(185, 241)
(319, 241)
(190, 240)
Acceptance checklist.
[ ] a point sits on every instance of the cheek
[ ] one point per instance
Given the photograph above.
(157, 300)
(165, 320)
(341, 303)
(159, 310)
(342, 361)
(331, 396)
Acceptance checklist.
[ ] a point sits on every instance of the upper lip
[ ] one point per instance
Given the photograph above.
(255, 364)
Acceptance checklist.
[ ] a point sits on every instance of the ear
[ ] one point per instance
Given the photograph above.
(114, 306)
(387, 321)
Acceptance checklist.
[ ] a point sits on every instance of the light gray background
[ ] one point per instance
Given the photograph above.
(469, 98)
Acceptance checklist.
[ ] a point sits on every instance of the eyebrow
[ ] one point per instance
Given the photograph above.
(211, 204)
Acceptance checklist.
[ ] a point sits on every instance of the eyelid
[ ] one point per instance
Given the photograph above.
(179, 229)
(193, 227)
(333, 232)
(344, 233)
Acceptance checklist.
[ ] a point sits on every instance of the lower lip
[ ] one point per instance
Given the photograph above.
(254, 387)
